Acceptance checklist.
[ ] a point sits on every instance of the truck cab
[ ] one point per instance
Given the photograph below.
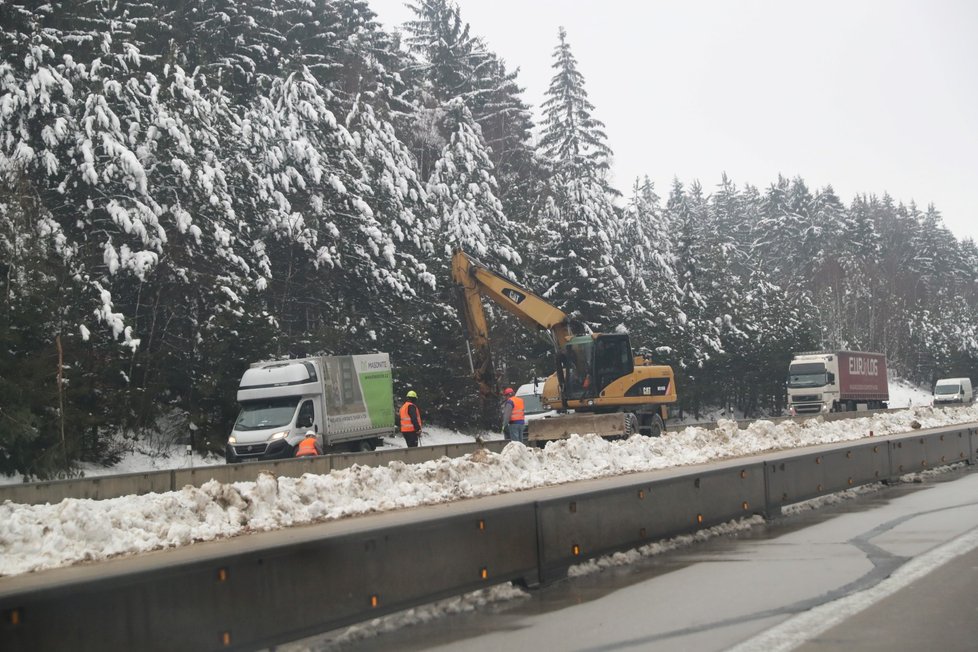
(280, 402)
(812, 386)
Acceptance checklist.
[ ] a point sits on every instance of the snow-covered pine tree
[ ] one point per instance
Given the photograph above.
(648, 266)
(461, 191)
(449, 62)
(699, 338)
(578, 221)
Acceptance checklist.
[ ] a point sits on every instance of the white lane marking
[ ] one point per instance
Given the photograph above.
(805, 626)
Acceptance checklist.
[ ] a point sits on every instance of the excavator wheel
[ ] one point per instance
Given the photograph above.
(653, 426)
(631, 425)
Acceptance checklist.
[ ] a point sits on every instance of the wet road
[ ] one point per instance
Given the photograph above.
(895, 569)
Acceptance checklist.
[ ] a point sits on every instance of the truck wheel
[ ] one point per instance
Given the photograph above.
(366, 445)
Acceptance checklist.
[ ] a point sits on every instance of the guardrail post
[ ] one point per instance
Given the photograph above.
(772, 507)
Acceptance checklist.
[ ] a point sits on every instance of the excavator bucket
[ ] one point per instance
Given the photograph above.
(560, 427)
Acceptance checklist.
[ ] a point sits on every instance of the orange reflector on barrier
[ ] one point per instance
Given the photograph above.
(482, 524)
(641, 494)
(850, 481)
(819, 488)
(484, 573)
(14, 616)
(374, 601)
(699, 518)
(575, 550)
(222, 575)
(226, 639)
(743, 474)
(818, 460)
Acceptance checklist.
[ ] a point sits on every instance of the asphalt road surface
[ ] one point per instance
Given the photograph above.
(895, 569)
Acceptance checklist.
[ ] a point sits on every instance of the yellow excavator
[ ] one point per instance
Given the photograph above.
(599, 385)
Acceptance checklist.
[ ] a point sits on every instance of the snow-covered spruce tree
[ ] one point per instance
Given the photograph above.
(649, 269)
(239, 44)
(121, 154)
(449, 62)
(699, 332)
(445, 58)
(771, 327)
(462, 193)
(775, 233)
(578, 221)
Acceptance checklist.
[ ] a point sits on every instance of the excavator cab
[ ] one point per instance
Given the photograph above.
(592, 362)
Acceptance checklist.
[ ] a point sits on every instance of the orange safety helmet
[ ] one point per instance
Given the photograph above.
(508, 391)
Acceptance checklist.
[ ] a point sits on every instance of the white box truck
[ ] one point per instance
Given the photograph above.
(953, 390)
(347, 400)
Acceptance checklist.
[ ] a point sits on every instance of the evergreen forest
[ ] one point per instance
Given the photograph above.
(188, 187)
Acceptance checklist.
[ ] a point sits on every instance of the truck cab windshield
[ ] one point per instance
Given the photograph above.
(811, 374)
(266, 413)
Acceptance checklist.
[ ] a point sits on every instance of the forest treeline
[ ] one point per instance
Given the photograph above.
(187, 187)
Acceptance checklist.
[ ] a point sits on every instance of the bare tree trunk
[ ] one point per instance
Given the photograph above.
(61, 400)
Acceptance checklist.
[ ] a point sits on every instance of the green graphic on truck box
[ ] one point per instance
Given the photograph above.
(359, 392)
(378, 394)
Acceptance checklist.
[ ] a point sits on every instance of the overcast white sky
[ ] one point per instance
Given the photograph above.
(865, 95)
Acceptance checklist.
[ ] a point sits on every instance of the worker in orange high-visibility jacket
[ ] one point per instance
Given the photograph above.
(309, 446)
(410, 419)
(514, 417)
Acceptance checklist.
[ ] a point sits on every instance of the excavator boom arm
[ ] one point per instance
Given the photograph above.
(476, 281)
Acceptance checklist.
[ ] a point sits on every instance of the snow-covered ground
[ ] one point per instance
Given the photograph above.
(902, 394)
(34, 537)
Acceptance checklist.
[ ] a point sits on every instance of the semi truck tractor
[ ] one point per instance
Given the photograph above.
(836, 381)
(347, 400)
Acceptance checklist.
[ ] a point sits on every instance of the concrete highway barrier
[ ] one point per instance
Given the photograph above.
(259, 590)
(129, 484)
(114, 486)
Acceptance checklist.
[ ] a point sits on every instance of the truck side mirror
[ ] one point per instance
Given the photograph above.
(831, 377)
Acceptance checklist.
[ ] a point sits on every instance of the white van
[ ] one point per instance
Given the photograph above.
(533, 406)
(953, 390)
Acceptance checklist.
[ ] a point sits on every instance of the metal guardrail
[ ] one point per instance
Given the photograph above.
(256, 591)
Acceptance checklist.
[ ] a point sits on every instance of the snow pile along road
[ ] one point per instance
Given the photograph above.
(34, 537)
